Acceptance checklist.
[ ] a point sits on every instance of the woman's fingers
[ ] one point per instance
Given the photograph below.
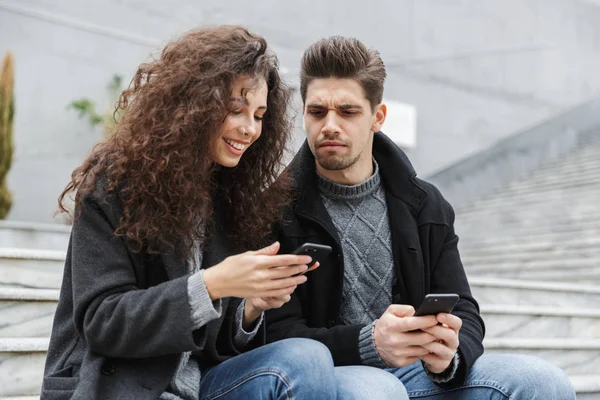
(287, 271)
(283, 293)
(264, 261)
(283, 283)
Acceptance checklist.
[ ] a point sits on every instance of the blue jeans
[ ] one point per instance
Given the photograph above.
(491, 377)
(299, 369)
(303, 369)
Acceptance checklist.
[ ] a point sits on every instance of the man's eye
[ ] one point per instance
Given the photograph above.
(315, 113)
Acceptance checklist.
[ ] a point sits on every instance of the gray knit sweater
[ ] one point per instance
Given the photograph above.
(359, 213)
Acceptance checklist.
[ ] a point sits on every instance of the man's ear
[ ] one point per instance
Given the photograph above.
(380, 114)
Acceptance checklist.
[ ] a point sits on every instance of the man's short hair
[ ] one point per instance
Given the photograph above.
(344, 57)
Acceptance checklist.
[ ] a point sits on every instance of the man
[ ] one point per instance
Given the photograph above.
(393, 242)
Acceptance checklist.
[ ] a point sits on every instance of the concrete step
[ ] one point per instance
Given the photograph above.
(535, 214)
(514, 292)
(521, 256)
(588, 276)
(561, 207)
(31, 268)
(573, 162)
(509, 321)
(488, 240)
(575, 357)
(31, 235)
(508, 223)
(538, 214)
(27, 312)
(586, 386)
(22, 365)
(587, 182)
(21, 398)
(582, 164)
(582, 244)
(570, 264)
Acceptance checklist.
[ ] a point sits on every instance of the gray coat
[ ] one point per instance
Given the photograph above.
(123, 318)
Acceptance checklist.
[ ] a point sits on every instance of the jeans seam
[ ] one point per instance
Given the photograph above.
(255, 374)
(473, 384)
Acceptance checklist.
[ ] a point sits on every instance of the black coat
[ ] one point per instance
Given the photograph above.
(123, 318)
(425, 254)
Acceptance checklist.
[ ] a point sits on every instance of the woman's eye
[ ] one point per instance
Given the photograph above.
(258, 118)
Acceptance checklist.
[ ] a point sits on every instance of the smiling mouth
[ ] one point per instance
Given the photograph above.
(236, 145)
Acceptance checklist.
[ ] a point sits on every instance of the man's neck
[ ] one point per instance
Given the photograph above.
(353, 175)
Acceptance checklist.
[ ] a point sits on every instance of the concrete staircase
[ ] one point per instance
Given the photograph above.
(31, 263)
(532, 254)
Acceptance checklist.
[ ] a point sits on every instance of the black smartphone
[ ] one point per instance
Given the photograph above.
(434, 304)
(318, 252)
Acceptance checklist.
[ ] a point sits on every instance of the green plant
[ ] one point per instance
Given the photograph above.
(7, 113)
(87, 108)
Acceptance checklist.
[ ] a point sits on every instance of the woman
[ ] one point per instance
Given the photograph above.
(177, 189)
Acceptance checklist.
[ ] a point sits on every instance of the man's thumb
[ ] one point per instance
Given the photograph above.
(401, 310)
(270, 250)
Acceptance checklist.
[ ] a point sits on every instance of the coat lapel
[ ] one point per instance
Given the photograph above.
(406, 248)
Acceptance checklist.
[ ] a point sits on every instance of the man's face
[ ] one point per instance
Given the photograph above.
(339, 123)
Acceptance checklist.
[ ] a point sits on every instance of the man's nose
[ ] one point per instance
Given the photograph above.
(331, 123)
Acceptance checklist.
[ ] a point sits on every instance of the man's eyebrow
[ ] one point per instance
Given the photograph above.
(345, 106)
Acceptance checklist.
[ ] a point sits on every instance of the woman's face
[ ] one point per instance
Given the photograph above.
(243, 125)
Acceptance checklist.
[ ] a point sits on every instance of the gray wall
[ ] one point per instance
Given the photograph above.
(476, 70)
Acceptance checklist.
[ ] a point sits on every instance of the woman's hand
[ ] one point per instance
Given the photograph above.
(257, 274)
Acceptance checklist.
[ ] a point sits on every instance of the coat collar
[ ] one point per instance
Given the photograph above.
(405, 198)
(397, 173)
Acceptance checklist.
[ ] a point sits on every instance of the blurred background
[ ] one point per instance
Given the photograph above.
(497, 102)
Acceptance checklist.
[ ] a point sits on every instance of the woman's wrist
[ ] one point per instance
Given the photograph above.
(213, 284)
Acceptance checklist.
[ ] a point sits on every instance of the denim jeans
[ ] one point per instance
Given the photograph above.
(303, 369)
(289, 369)
(299, 369)
(491, 377)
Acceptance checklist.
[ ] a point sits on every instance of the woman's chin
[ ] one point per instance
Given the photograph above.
(228, 162)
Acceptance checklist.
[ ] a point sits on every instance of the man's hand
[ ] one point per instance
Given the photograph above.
(400, 338)
(442, 350)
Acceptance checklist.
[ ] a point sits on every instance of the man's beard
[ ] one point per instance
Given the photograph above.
(336, 163)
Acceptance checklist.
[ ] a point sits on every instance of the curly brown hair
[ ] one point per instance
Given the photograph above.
(158, 160)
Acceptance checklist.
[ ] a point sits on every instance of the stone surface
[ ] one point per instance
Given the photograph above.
(21, 373)
(34, 236)
(22, 318)
(28, 268)
(495, 291)
(575, 357)
(504, 321)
